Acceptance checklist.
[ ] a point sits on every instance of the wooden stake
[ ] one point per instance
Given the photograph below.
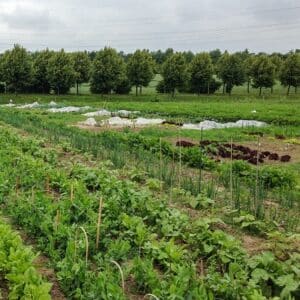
(231, 173)
(57, 218)
(99, 222)
(256, 177)
(160, 163)
(72, 192)
(86, 245)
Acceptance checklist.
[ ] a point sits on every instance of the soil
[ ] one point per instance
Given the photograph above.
(4, 290)
(41, 263)
(253, 244)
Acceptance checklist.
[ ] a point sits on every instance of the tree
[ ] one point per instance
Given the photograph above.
(60, 72)
(140, 69)
(201, 71)
(277, 62)
(248, 66)
(290, 72)
(175, 72)
(215, 55)
(262, 72)
(108, 70)
(82, 68)
(40, 82)
(230, 70)
(17, 69)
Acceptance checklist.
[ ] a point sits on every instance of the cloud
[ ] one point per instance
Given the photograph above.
(29, 19)
(268, 25)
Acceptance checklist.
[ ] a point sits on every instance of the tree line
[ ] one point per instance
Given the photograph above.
(108, 71)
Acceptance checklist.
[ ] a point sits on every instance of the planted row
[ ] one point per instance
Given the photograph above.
(17, 267)
(158, 248)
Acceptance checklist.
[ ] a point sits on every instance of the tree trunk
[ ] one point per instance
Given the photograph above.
(260, 91)
(141, 90)
(173, 93)
(77, 88)
(288, 90)
(271, 89)
(208, 86)
(136, 90)
(248, 86)
(223, 88)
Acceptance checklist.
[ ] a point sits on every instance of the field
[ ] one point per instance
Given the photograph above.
(155, 212)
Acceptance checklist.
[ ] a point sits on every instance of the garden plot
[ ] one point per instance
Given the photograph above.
(207, 124)
(106, 113)
(118, 122)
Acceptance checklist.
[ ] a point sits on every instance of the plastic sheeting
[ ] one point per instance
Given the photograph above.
(8, 105)
(31, 105)
(99, 113)
(117, 121)
(68, 109)
(207, 124)
(126, 113)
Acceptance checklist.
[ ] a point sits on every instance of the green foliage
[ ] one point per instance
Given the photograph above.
(108, 71)
(263, 72)
(16, 262)
(175, 73)
(41, 82)
(201, 70)
(17, 69)
(231, 71)
(274, 177)
(140, 68)
(290, 71)
(82, 67)
(60, 72)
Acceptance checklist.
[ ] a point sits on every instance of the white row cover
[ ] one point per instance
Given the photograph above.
(107, 113)
(207, 124)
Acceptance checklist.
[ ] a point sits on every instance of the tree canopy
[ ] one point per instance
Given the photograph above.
(263, 72)
(17, 69)
(175, 72)
(82, 68)
(108, 71)
(231, 71)
(201, 72)
(290, 71)
(140, 68)
(60, 72)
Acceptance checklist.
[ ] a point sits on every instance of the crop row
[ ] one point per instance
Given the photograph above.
(17, 267)
(91, 224)
(161, 160)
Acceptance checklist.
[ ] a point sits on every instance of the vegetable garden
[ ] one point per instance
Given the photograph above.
(129, 215)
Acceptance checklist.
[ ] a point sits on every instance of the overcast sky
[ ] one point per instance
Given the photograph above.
(197, 25)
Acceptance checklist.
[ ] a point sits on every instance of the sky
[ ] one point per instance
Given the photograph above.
(196, 25)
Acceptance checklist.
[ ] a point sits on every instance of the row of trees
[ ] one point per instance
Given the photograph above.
(46, 71)
(108, 71)
(203, 76)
